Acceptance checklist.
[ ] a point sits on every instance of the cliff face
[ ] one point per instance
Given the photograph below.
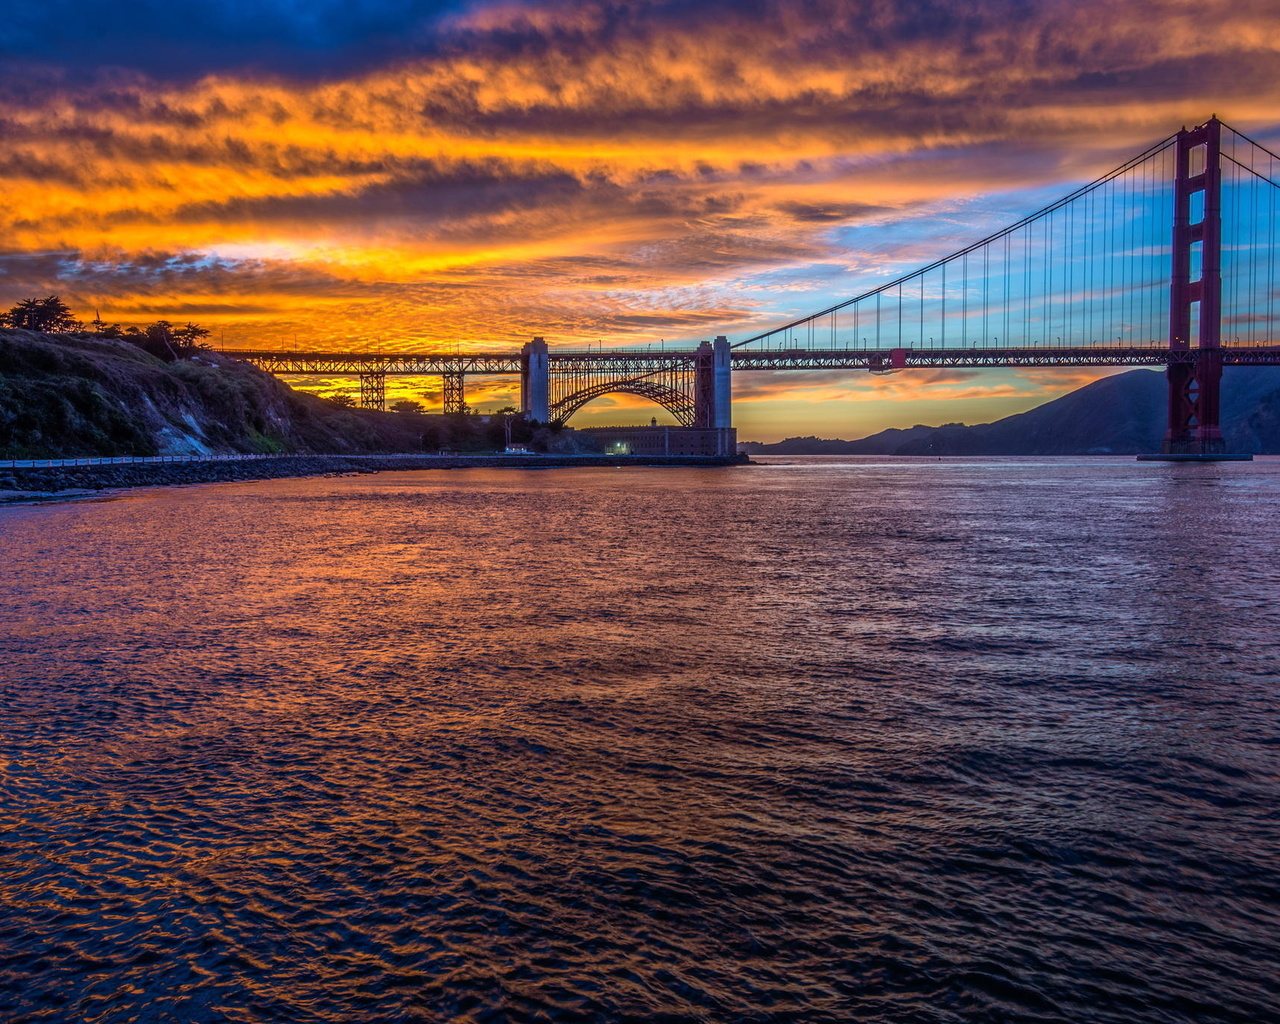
(63, 396)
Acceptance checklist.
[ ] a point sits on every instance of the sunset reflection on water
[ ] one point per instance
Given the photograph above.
(818, 741)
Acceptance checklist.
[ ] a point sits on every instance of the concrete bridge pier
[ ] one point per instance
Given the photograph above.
(721, 371)
(712, 390)
(535, 380)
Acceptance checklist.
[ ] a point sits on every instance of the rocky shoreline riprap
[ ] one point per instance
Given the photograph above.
(27, 484)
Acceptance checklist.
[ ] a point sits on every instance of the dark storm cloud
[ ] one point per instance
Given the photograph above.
(184, 38)
(89, 279)
(424, 197)
(825, 213)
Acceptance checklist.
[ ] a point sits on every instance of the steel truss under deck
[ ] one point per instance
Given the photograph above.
(430, 364)
(670, 379)
(908, 358)
(574, 372)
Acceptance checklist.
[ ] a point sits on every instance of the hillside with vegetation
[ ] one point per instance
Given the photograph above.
(65, 395)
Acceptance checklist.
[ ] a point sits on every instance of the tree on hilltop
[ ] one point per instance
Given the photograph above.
(102, 329)
(50, 315)
(190, 334)
(165, 341)
(406, 405)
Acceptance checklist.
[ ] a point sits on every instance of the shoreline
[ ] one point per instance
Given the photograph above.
(28, 484)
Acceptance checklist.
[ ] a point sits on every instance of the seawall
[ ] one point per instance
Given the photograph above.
(25, 483)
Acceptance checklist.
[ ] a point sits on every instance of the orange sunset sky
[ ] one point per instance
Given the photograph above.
(423, 175)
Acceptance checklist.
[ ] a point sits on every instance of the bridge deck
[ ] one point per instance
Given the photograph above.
(633, 363)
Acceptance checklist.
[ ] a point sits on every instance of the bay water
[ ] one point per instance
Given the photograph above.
(813, 740)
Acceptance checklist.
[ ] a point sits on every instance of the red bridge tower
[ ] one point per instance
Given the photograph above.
(1195, 306)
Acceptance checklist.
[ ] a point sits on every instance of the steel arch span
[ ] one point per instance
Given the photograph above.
(678, 403)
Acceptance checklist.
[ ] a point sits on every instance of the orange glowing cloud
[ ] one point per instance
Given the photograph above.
(589, 171)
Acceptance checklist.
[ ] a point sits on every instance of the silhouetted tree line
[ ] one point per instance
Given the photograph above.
(52, 316)
(467, 432)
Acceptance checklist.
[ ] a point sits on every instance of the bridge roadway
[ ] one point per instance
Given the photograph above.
(636, 363)
(694, 384)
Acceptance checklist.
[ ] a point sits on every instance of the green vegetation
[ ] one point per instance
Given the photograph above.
(66, 391)
(470, 433)
(70, 395)
(51, 315)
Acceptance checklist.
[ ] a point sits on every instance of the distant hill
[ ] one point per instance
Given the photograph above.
(1119, 415)
(887, 442)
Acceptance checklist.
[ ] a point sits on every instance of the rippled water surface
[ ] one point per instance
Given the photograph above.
(828, 741)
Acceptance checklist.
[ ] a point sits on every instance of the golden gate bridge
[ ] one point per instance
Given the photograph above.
(1169, 260)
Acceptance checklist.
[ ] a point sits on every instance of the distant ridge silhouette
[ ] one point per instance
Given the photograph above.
(1119, 415)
